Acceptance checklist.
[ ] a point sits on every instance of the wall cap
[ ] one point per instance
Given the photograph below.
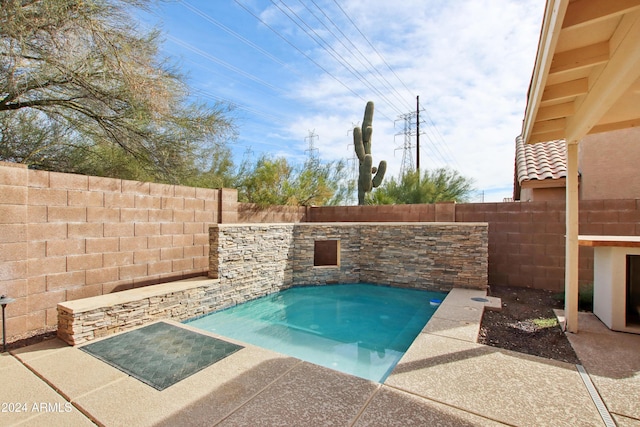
(124, 297)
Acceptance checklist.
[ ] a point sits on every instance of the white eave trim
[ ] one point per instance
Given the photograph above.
(552, 24)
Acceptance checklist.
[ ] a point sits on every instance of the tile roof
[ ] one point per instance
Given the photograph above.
(545, 160)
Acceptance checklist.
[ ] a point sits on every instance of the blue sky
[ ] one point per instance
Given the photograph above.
(292, 67)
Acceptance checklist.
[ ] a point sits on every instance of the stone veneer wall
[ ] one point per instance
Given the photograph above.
(440, 255)
(256, 259)
(250, 260)
(304, 272)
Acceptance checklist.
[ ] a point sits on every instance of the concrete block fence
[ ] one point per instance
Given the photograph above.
(64, 237)
(526, 239)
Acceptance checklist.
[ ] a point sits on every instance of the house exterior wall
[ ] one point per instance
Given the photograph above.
(608, 163)
(530, 194)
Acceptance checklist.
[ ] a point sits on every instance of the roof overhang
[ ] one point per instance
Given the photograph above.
(544, 183)
(586, 78)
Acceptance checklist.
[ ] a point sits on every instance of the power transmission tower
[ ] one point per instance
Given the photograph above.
(352, 162)
(411, 128)
(314, 157)
(353, 166)
(407, 157)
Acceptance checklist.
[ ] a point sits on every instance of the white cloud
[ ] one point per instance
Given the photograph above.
(470, 62)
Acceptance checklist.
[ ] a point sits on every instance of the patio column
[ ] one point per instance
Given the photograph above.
(571, 242)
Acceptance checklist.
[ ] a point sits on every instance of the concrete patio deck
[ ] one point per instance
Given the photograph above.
(444, 379)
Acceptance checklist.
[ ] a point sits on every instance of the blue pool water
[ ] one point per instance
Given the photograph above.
(360, 329)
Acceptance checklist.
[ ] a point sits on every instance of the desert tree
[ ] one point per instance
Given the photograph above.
(276, 181)
(84, 89)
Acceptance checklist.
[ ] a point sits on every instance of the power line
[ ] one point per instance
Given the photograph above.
(381, 78)
(372, 46)
(437, 146)
(340, 58)
(412, 128)
(443, 142)
(232, 33)
(445, 153)
(407, 157)
(239, 106)
(249, 76)
(299, 50)
(318, 39)
(224, 63)
(314, 157)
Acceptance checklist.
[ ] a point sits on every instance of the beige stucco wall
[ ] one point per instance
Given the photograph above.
(530, 194)
(608, 164)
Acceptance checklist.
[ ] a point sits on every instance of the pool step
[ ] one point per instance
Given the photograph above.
(460, 314)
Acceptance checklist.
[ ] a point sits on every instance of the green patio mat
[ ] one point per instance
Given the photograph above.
(160, 354)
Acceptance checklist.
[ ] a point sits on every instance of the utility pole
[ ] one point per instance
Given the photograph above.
(407, 147)
(418, 134)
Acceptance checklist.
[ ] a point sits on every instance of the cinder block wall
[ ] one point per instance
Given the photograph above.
(256, 259)
(526, 239)
(441, 212)
(250, 213)
(527, 244)
(66, 236)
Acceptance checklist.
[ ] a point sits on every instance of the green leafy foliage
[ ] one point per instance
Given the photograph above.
(273, 181)
(585, 297)
(439, 185)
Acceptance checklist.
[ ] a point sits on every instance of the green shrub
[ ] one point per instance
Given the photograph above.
(585, 297)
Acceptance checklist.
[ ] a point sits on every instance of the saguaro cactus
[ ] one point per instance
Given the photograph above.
(362, 144)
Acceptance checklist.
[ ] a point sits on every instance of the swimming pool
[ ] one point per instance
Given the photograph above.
(360, 329)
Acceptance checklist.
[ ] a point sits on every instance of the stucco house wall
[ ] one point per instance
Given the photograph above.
(609, 165)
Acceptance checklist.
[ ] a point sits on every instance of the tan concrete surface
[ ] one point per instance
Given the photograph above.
(509, 387)
(392, 407)
(459, 316)
(612, 360)
(622, 421)
(70, 377)
(444, 379)
(305, 396)
(26, 400)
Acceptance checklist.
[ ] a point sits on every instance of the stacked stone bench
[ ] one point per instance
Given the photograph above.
(86, 319)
